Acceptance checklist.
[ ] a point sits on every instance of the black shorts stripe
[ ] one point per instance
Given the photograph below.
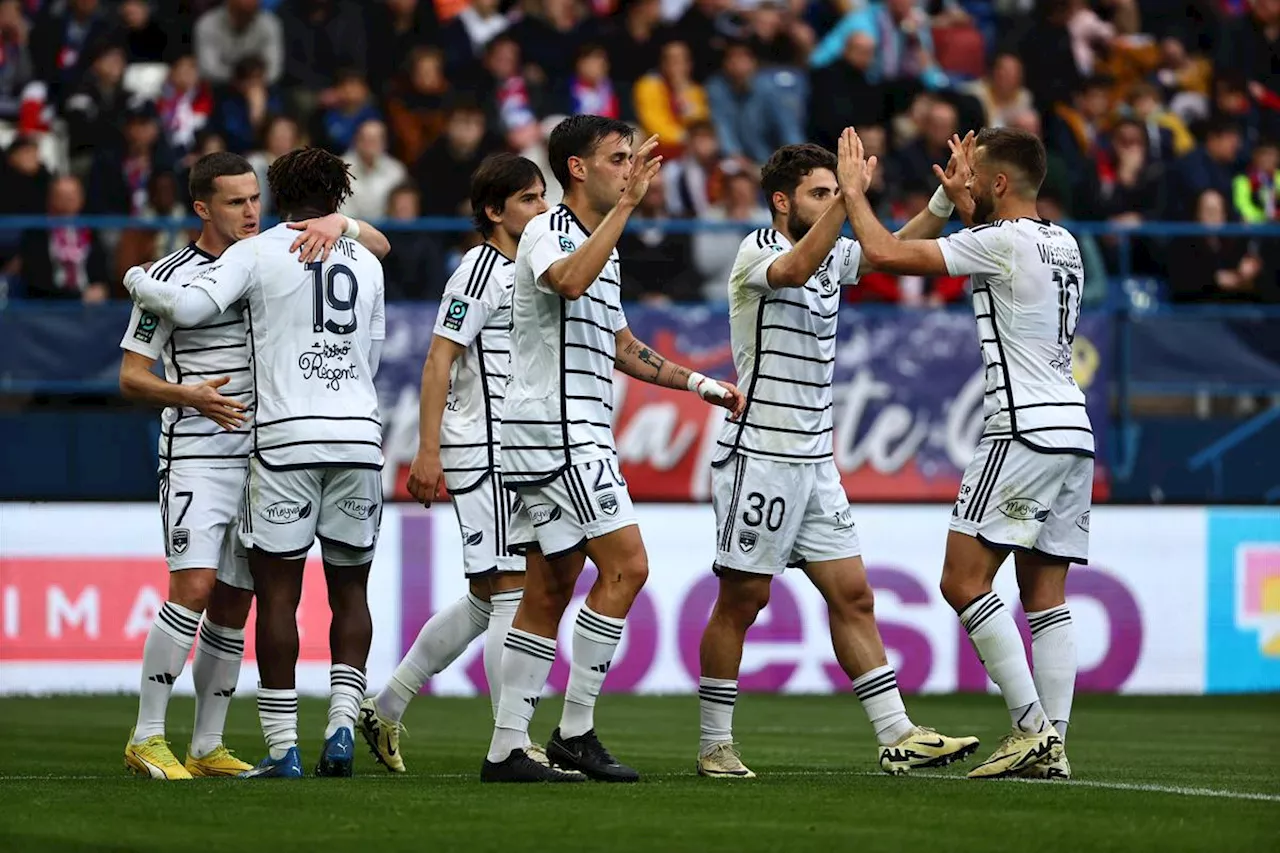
(986, 483)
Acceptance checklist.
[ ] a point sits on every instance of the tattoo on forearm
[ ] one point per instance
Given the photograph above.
(638, 356)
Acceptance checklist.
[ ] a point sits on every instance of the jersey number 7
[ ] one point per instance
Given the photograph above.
(326, 293)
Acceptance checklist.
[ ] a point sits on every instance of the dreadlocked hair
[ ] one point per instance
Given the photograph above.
(309, 180)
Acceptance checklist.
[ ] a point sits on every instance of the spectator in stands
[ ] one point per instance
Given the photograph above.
(1076, 131)
(915, 160)
(119, 178)
(776, 36)
(707, 24)
(1001, 92)
(443, 173)
(185, 105)
(714, 252)
(588, 90)
(281, 136)
(145, 39)
(241, 111)
(1213, 268)
(26, 189)
(693, 182)
(632, 39)
(1167, 136)
(416, 108)
(61, 38)
(349, 105)
(1250, 45)
(375, 172)
(1047, 58)
(904, 46)
(95, 109)
(842, 94)
(464, 38)
(1181, 75)
(322, 39)
(1090, 34)
(1209, 167)
(415, 270)
(1254, 191)
(657, 264)
(233, 32)
(16, 69)
(549, 36)
(513, 101)
(395, 28)
(668, 100)
(64, 261)
(1131, 184)
(140, 245)
(755, 112)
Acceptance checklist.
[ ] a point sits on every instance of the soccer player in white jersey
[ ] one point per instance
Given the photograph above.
(558, 451)
(1029, 487)
(464, 383)
(315, 334)
(204, 453)
(778, 497)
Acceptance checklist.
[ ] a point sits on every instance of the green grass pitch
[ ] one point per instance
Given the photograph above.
(1158, 774)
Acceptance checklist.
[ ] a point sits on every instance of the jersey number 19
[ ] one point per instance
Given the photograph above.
(326, 293)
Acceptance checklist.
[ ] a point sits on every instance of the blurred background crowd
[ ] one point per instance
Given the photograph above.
(1152, 110)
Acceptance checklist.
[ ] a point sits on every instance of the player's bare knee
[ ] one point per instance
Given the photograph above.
(741, 598)
(961, 584)
(229, 606)
(853, 600)
(192, 588)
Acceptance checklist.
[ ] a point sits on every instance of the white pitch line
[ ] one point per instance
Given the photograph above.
(1142, 787)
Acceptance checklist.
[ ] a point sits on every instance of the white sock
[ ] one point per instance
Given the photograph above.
(445, 636)
(1053, 653)
(526, 663)
(163, 656)
(278, 711)
(504, 606)
(999, 647)
(595, 639)
(877, 690)
(716, 698)
(216, 671)
(346, 691)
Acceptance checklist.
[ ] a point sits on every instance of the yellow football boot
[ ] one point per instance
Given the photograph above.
(924, 747)
(154, 759)
(1018, 752)
(382, 735)
(220, 761)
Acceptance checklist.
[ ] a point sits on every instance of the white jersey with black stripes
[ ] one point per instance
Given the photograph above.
(559, 406)
(1027, 279)
(475, 312)
(784, 349)
(311, 329)
(191, 356)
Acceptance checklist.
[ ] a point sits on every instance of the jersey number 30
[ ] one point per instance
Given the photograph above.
(326, 293)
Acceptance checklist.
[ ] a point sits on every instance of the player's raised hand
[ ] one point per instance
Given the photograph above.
(318, 236)
(226, 412)
(644, 166)
(426, 475)
(956, 176)
(853, 171)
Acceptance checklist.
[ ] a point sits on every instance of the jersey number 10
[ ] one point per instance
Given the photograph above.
(325, 293)
(1068, 284)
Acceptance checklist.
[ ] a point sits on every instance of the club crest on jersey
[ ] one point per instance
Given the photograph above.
(1024, 509)
(361, 509)
(454, 315)
(823, 275)
(1083, 521)
(285, 512)
(179, 540)
(608, 503)
(472, 537)
(566, 245)
(542, 514)
(747, 540)
(146, 328)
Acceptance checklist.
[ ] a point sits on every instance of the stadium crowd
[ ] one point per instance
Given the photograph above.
(1152, 110)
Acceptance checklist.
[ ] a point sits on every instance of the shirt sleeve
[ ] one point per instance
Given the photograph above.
(757, 253)
(465, 307)
(849, 257)
(227, 280)
(984, 250)
(619, 320)
(147, 334)
(378, 320)
(544, 250)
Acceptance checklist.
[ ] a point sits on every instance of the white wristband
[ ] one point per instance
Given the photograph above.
(707, 389)
(352, 230)
(941, 206)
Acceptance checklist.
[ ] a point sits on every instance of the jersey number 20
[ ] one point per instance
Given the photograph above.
(325, 293)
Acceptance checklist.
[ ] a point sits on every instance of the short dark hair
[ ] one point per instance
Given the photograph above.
(790, 165)
(207, 170)
(1018, 148)
(498, 178)
(578, 136)
(1221, 124)
(309, 180)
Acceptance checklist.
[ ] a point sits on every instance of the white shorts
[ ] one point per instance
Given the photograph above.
(286, 511)
(585, 502)
(1017, 498)
(772, 515)
(200, 508)
(484, 518)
